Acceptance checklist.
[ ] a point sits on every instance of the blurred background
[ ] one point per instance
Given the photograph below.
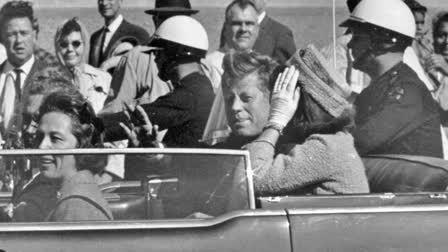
(310, 20)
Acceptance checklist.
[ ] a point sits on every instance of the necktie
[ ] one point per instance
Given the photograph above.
(8, 101)
(99, 48)
(18, 83)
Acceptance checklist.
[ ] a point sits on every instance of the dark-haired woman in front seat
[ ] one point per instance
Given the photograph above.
(67, 121)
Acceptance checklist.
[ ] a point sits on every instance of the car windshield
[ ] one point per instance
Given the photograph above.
(175, 183)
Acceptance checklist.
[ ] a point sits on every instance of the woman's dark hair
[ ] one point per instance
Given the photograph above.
(70, 26)
(311, 118)
(85, 126)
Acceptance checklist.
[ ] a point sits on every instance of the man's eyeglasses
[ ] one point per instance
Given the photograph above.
(75, 44)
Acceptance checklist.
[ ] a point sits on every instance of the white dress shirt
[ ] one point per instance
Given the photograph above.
(2, 53)
(9, 69)
(261, 17)
(7, 103)
(112, 28)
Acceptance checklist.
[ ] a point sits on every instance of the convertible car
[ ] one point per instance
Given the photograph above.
(203, 200)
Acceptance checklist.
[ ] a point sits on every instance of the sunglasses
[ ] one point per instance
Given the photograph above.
(75, 44)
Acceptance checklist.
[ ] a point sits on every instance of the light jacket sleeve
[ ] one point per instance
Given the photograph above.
(322, 165)
(136, 78)
(298, 167)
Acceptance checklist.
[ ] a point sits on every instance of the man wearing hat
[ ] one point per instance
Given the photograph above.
(115, 28)
(136, 76)
(396, 114)
(165, 9)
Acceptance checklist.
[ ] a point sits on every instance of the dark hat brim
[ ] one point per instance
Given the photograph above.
(351, 22)
(171, 11)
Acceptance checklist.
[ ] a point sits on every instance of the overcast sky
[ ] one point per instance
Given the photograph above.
(222, 3)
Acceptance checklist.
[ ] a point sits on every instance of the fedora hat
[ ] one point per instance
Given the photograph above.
(172, 7)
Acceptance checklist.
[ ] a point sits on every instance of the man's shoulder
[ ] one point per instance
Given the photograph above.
(402, 85)
(131, 28)
(405, 76)
(130, 25)
(197, 81)
(96, 33)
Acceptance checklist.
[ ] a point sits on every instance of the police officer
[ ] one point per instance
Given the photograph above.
(182, 42)
(396, 113)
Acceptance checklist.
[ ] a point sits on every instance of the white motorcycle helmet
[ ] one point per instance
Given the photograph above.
(181, 37)
(391, 15)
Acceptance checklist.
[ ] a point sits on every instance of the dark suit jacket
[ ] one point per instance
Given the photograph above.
(37, 66)
(274, 39)
(126, 29)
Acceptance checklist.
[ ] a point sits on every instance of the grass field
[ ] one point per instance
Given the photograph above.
(308, 24)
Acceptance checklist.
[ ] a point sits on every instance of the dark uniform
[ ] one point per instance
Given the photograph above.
(184, 112)
(396, 114)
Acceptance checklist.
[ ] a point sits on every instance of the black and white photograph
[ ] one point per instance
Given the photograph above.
(223, 125)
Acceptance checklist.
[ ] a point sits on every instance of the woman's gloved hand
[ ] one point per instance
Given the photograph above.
(285, 98)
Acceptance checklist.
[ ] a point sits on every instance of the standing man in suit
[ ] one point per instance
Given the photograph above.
(274, 39)
(115, 28)
(18, 35)
(136, 76)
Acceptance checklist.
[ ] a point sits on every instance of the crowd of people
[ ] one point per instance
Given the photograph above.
(307, 126)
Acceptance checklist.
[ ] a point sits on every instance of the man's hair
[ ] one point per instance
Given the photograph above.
(239, 64)
(242, 4)
(440, 18)
(17, 9)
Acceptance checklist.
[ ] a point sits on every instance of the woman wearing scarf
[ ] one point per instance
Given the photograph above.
(71, 43)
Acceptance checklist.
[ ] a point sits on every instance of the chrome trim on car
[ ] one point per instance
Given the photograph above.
(108, 151)
(138, 224)
(362, 210)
